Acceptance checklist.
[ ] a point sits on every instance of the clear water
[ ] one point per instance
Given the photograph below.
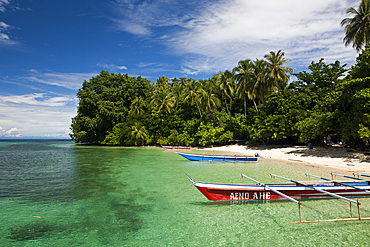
(55, 193)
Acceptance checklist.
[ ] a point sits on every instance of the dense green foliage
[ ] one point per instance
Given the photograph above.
(252, 102)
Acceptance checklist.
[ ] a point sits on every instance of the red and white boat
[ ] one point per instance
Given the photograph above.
(293, 191)
(174, 147)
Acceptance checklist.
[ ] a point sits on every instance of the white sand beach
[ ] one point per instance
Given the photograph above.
(345, 159)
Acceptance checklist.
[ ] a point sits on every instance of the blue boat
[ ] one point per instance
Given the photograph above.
(227, 158)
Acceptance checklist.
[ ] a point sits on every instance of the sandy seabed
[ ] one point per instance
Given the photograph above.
(341, 158)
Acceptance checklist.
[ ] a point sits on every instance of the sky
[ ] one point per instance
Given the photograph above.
(49, 47)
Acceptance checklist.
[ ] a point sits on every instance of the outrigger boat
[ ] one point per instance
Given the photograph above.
(293, 191)
(226, 158)
(174, 147)
(296, 190)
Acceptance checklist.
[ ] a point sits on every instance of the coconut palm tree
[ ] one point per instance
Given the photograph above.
(177, 92)
(243, 78)
(225, 83)
(208, 96)
(139, 133)
(163, 82)
(358, 27)
(137, 106)
(192, 94)
(163, 99)
(260, 84)
(276, 72)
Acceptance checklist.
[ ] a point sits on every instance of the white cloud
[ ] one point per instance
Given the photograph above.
(112, 66)
(134, 28)
(12, 132)
(4, 37)
(3, 25)
(236, 30)
(36, 115)
(2, 5)
(44, 114)
(139, 17)
(71, 81)
(35, 99)
(215, 35)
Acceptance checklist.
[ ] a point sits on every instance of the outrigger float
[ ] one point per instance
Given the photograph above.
(293, 191)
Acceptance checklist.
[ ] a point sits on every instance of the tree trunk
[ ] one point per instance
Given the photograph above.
(255, 105)
(200, 113)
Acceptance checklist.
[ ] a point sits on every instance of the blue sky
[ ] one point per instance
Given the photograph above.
(48, 48)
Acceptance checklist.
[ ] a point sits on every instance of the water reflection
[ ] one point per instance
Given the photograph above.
(87, 180)
(36, 171)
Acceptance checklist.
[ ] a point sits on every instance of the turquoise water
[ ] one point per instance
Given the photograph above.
(55, 193)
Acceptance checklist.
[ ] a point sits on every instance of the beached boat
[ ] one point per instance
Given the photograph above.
(227, 158)
(174, 147)
(293, 191)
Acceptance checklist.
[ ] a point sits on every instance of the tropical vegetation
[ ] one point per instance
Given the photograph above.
(252, 102)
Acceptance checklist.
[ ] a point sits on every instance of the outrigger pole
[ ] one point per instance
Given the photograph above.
(344, 184)
(328, 193)
(317, 189)
(344, 176)
(362, 175)
(277, 192)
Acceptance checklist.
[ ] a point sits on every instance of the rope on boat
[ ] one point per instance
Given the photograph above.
(180, 194)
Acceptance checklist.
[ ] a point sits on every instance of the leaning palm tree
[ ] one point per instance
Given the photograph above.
(358, 27)
(276, 72)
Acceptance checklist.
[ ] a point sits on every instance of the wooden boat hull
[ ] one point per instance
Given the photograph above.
(248, 192)
(218, 158)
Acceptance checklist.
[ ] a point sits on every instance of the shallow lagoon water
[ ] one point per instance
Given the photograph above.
(61, 194)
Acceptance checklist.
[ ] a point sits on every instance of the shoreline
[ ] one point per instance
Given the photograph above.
(347, 160)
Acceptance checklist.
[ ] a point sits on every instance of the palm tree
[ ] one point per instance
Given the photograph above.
(163, 100)
(192, 94)
(177, 89)
(276, 72)
(225, 82)
(260, 84)
(137, 106)
(163, 82)
(243, 77)
(208, 96)
(358, 27)
(139, 133)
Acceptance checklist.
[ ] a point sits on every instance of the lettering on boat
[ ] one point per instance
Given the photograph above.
(250, 196)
